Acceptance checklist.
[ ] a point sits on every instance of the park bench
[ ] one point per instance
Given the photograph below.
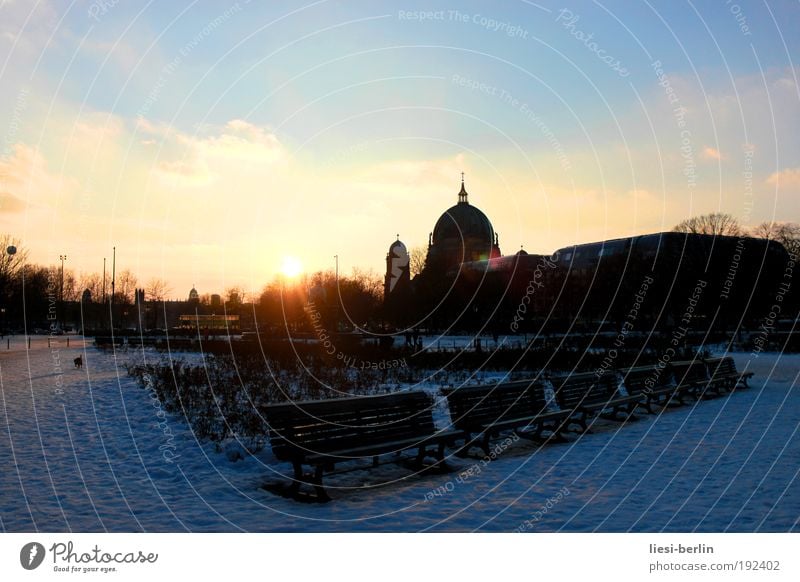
(322, 433)
(483, 412)
(108, 341)
(654, 384)
(591, 396)
(723, 373)
(693, 379)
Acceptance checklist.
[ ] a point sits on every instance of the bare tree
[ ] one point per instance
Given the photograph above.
(234, 295)
(418, 256)
(94, 283)
(716, 223)
(11, 264)
(71, 291)
(125, 286)
(157, 289)
(786, 233)
(368, 281)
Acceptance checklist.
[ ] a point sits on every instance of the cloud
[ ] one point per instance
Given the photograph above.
(25, 179)
(788, 179)
(238, 147)
(26, 26)
(443, 174)
(10, 203)
(710, 153)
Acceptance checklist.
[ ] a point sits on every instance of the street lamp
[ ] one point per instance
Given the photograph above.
(62, 258)
(11, 250)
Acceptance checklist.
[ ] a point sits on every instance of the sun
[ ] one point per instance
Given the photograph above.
(291, 267)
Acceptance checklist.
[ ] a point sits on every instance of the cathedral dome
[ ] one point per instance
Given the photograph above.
(463, 221)
(462, 234)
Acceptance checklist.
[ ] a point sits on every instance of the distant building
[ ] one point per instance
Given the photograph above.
(462, 234)
(209, 323)
(467, 283)
(398, 268)
(194, 296)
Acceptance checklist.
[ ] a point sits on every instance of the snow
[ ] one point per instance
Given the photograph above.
(89, 450)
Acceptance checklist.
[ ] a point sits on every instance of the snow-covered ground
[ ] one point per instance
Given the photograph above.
(88, 450)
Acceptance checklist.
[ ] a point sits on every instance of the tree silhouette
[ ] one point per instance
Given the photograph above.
(418, 256)
(716, 223)
(786, 233)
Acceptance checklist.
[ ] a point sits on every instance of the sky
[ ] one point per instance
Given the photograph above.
(209, 141)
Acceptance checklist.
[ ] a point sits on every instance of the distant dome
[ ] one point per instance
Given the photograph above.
(463, 233)
(463, 221)
(398, 249)
(194, 295)
(522, 253)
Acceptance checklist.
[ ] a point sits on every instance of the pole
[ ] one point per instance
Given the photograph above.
(336, 308)
(104, 280)
(113, 285)
(61, 291)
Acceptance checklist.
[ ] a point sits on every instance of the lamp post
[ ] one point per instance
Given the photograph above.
(62, 258)
(11, 250)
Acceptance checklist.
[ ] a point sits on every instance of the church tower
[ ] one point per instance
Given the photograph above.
(398, 269)
(397, 284)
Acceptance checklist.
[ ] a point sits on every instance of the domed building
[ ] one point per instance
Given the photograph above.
(462, 234)
(397, 283)
(466, 283)
(398, 263)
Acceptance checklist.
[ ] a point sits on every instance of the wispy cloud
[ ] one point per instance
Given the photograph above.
(787, 179)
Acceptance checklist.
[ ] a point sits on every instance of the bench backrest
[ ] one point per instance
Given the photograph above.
(642, 379)
(321, 426)
(472, 406)
(689, 372)
(578, 390)
(721, 366)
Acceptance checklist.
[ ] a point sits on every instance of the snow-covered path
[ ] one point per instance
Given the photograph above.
(91, 456)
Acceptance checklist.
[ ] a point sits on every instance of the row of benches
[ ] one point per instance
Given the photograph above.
(320, 434)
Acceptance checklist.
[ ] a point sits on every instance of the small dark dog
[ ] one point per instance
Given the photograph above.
(78, 362)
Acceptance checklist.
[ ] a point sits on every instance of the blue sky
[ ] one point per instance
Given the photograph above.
(209, 140)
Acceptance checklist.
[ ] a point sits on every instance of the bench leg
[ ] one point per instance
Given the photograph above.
(315, 480)
(581, 421)
(294, 488)
(647, 405)
(322, 495)
(487, 436)
(463, 451)
(440, 460)
(418, 461)
(556, 431)
(628, 410)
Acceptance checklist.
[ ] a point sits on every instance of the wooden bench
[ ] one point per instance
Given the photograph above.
(108, 341)
(589, 395)
(692, 378)
(482, 412)
(654, 384)
(723, 373)
(322, 433)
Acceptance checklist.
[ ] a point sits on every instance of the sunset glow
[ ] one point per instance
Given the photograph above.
(291, 267)
(229, 140)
